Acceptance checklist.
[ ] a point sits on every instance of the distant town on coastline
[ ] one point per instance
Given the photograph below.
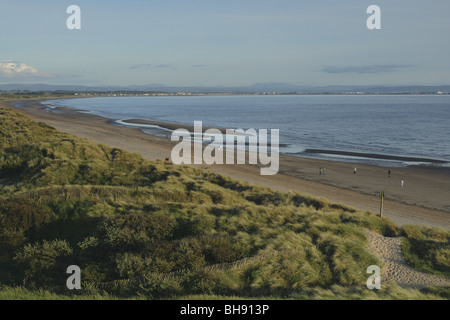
(256, 89)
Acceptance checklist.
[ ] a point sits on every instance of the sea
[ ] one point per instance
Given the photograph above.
(385, 130)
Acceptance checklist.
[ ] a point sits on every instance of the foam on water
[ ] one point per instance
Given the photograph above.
(413, 126)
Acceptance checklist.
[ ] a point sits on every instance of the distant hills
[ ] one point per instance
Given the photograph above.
(255, 88)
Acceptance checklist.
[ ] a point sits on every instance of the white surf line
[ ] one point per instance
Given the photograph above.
(140, 125)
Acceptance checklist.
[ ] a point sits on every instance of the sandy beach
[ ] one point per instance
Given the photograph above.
(423, 199)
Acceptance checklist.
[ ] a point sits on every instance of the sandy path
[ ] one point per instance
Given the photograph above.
(395, 269)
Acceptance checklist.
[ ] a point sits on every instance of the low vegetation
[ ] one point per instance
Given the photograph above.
(427, 249)
(151, 229)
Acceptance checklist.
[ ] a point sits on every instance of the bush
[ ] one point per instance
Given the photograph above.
(160, 286)
(178, 229)
(220, 249)
(20, 219)
(133, 231)
(199, 280)
(44, 262)
(299, 200)
(188, 254)
(427, 249)
(132, 265)
(273, 198)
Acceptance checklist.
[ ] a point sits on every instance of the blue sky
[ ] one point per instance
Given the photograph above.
(228, 42)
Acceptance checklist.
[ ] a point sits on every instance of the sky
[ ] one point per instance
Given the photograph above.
(225, 43)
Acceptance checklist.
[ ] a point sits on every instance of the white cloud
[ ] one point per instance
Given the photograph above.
(13, 69)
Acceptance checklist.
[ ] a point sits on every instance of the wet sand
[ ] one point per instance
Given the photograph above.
(424, 198)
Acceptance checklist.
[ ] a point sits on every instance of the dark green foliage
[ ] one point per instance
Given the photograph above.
(193, 223)
(264, 199)
(299, 200)
(216, 196)
(44, 262)
(199, 281)
(444, 293)
(226, 182)
(20, 161)
(427, 249)
(160, 230)
(188, 254)
(20, 219)
(220, 249)
(133, 231)
(157, 285)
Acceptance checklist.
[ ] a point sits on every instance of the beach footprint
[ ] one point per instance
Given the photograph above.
(388, 251)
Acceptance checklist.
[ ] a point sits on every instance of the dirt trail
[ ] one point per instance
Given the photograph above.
(395, 269)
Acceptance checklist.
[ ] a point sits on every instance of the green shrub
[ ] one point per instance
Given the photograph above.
(221, 248)
(132, 265)
(160, 230)
(133, 231)
(188, 254)
(200, 280)
(20, 219)
(264, 199)
(159, 286)
(427, 249)
(299, 200)
(45, 262)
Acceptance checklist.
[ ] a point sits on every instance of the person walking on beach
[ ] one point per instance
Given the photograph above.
(402, 182)
(389, 173)
(354, 170)
(320, 171)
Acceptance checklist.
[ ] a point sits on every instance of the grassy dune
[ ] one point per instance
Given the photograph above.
(143, 229)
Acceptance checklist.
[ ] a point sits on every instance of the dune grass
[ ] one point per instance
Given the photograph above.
(389, 292)
(427, 249)
(154, 230)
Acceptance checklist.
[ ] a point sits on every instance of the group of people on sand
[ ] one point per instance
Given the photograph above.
(322, 172)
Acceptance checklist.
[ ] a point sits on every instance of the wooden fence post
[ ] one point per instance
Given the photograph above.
(381, 205)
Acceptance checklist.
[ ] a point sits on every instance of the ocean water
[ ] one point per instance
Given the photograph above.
(375, 129)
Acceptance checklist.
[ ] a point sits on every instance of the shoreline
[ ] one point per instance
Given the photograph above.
(376, 156)
(385, 160)
(162, 125)
(422, 200)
